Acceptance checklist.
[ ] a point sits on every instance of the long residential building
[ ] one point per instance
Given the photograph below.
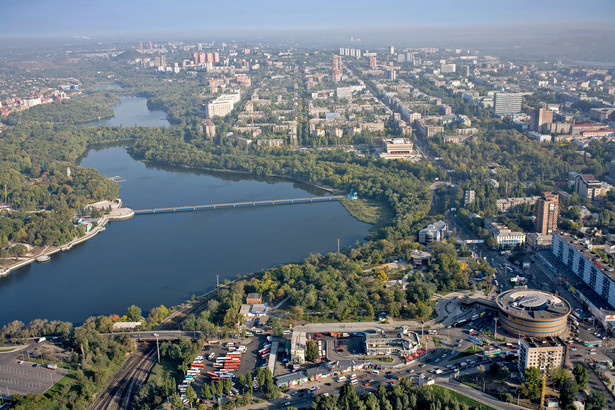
(577, 255)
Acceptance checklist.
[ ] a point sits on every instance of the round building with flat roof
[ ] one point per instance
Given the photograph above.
(530, 312)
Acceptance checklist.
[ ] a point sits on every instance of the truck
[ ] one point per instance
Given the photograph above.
(334, 334)
(41, 339)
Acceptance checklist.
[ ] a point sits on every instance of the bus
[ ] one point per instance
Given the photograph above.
(474, 317)
(593, 343)
(492, 352)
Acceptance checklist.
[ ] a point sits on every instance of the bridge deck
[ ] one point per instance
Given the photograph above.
(269, 202)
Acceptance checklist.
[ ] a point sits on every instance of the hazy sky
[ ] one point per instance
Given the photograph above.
(95, 18)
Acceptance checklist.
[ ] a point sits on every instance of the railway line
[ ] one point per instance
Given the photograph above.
(128, 380)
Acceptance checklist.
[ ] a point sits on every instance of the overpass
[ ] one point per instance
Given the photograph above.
(161, 335)
(481, 301)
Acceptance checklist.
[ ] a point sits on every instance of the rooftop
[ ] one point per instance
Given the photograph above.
(532, 304)
(549, 341)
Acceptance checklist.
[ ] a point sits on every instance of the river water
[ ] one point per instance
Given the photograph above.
(164, 259)
(133, 111)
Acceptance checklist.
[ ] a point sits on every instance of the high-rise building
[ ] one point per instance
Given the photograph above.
(539, 116)
(372, 62)
(210, 58)
(507, 103)
(391, 50)
(391, 74)
(195, 58)
(202, 58)
(548, 212)
(337, 68)
(543, 353)
(337, 63)
(216, 57)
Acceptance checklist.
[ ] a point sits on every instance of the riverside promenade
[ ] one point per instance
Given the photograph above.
(117, 213)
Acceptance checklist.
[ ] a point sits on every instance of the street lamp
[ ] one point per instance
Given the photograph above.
(495, 333)
(157, 349)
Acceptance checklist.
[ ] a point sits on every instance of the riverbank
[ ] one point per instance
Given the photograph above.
(368, 211)
(116, 214)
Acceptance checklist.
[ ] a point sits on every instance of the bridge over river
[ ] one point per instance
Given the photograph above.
(270, 202)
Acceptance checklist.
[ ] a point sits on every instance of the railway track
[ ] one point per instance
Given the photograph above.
(128, 380)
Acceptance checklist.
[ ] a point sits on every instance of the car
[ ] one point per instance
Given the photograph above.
(294, 393)
(411, 371)
(287, 404)
(20, 362)
(327, 384)
(392, 383)
(592, 352)
(326, 394)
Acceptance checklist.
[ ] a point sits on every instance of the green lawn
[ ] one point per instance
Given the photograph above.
(468, 352)
(462, 398)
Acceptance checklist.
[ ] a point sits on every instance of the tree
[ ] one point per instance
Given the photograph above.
(533, 383)
(177, 402)
(503, 373)
(348, 399)
(18, 250)
(206, 392)
(558, 375)
(190, 394)
(596, 401)
(311, 351)
(568, 392)
(581, 376)
(134, 314)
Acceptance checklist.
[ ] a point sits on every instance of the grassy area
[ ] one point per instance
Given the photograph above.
(436, 341)
(468, 352)
(384, 359)
(463, 399)
(6, 349)
(368, 211)
(62, 386)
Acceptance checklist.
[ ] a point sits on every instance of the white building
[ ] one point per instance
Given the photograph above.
(505, 237)
(223, 105)
(507, 103)
(433, 232)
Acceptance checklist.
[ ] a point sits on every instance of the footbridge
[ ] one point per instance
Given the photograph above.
(270, 202)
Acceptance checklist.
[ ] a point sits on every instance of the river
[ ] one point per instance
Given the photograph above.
(164, 259)
(132, 111)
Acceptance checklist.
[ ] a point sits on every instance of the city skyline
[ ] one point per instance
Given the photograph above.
(71, 18)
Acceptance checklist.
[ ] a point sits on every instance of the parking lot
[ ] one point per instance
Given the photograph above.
(26, 377)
